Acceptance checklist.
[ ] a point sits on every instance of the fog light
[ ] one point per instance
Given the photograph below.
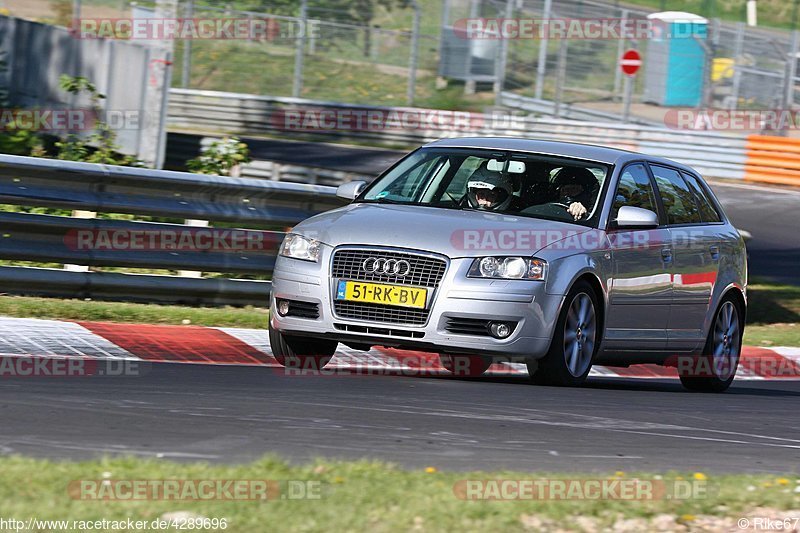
(499, 330)
(283, 307)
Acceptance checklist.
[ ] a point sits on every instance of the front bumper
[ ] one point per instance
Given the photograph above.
(523, 302)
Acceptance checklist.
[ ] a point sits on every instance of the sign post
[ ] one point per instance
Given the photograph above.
(629, 63)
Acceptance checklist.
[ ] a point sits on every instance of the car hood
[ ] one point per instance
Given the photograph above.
(455, 233)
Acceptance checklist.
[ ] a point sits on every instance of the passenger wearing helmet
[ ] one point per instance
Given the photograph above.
(574, 189)
(491, 191)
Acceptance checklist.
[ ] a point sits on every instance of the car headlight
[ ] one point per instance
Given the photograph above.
(508, 268)
(299, 247)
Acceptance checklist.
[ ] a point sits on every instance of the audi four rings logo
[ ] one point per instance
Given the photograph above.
(380, 265)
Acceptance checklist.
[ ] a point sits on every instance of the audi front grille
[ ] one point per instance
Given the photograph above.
(423, 271)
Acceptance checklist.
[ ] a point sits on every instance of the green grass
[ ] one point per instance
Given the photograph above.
(774, 13)
(336, 75)
(773, 315)
(772, 335)
(368, 496)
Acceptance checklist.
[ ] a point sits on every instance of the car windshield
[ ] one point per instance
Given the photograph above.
(539, 186)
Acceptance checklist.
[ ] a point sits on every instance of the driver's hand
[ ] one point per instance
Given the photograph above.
(577, 210)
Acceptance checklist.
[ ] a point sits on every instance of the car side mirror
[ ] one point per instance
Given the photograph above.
(635, 217)
(350, 190)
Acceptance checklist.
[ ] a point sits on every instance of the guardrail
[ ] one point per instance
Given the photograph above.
(715, 155)
(87, 189)
(758, 158)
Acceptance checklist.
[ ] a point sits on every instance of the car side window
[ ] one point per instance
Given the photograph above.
(707, 209)
(678, 200)
(634, 189)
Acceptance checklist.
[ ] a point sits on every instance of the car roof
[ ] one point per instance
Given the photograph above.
(591, 152)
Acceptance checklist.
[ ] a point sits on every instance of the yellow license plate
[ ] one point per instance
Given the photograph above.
(377, 293)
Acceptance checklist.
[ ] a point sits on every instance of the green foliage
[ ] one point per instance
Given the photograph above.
(220, 157)
(100, 146)
(20, 141)
(97, 147)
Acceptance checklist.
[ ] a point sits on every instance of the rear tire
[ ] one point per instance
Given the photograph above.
(721, 352)
(301, 353)
(575, 341)
(465, 365)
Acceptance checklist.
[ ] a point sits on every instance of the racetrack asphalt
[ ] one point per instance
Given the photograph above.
(235, 414)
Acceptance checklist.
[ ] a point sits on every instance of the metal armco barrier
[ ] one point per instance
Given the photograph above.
(209, 112)
(28, 181)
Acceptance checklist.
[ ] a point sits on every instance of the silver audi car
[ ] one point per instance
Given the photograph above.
(555, 254)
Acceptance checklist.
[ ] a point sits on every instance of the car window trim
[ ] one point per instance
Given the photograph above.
(659, 207)
(711, 198)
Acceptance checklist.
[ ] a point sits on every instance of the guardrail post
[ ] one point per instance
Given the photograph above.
(198, 224)
(275, 172)
(77, 213)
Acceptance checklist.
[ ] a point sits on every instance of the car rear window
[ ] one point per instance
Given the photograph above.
(707, 209)
(679, 201)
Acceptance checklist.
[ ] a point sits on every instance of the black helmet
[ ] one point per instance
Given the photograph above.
(583, 177)
(492, 187)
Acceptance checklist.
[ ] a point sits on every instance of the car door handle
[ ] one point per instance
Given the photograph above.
(714, 252)
(666, 255)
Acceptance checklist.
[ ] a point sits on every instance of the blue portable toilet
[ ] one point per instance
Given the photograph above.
(675, 59)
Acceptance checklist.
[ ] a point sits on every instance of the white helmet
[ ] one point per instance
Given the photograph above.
(489, 190)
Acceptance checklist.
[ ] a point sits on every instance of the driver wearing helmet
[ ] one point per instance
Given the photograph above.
(490, 191)
(574, 187)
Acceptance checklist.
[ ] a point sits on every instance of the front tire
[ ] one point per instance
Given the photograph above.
(301, 353)
(721, 352)
(575, 341)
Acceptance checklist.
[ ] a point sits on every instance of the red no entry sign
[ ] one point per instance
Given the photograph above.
(630, 62)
